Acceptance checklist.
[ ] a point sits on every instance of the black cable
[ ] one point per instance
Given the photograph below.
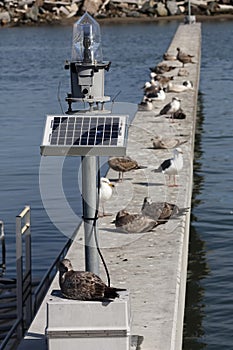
(58, 96)
(95, 231)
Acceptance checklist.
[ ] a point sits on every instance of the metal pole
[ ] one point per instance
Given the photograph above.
(19, 273)
(89, 210)
(189, 12)
(2, 239)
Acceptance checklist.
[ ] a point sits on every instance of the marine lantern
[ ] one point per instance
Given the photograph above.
(87, 66)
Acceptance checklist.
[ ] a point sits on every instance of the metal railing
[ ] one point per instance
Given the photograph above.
(28, 300)
(3, 246)
(23, 281)
(24, 273)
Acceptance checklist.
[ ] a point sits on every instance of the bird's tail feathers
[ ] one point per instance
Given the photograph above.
(112, 293)
(158, 170)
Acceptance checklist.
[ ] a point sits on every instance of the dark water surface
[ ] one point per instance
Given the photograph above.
(32, 77)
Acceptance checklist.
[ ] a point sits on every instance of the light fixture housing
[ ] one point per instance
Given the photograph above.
(87, 65)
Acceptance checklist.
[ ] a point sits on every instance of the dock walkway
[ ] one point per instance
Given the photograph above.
(153, 266)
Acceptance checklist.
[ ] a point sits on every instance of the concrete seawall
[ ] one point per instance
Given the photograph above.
(153, 265)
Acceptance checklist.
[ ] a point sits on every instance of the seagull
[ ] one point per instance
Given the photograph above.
(169, 57)
(166, 142)
(83, 285)
(159, 96)
(123, 164)
(182, 72)
(172, 166)
(162, 68)
(145, 105)
(171, 108)
(187, 85)
(105, 192)
(161, 80)
(183, 57)
(161, 211)
(134, 223)
(150, 87)
(179, 114)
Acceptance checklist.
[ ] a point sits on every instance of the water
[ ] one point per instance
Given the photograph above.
(31, 79)
(209, 306)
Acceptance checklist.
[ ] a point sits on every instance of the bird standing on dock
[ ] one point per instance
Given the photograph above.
(123, 164)
(161, 211)
(83, 285)
(171, 108)
(172, 166)
(134, 223)
(105, 192)
(183, 57)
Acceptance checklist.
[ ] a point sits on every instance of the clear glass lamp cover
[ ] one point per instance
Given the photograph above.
(86, 46)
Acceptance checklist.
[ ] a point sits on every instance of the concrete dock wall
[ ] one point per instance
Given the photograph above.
(153, 266)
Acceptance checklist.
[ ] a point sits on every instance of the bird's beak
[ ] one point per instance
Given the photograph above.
(111, 185)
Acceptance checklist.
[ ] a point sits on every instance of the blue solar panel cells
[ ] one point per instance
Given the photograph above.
(85, 131)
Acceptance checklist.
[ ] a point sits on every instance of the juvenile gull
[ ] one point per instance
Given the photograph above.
(183, 57)
(162, 68)
(150, 87)
(105, 192)
(134, 223)
(166, 142)
(172, 166)
(123, 164)
(83, 285)
(161, 80)
(161, 211)
(169, 57)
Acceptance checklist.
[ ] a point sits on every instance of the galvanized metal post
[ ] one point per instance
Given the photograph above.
(89, 192)
(2, 240)
(19, 273)
(24, 278)
(189, 12)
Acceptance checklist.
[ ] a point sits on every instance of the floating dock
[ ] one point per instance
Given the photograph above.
(152, 266)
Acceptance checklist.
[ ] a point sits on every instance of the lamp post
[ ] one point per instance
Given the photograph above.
(90, 132)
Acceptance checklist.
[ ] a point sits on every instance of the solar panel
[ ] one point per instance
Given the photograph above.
(100, 135)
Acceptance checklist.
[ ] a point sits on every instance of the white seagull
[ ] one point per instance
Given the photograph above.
(171, 108)
(172, 166)
(105, 192)
(187, 85)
